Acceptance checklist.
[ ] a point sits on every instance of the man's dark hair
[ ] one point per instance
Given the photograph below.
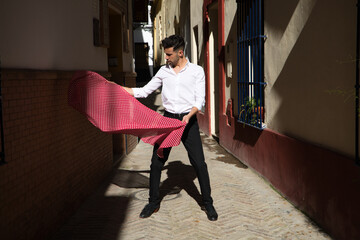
(174, 41)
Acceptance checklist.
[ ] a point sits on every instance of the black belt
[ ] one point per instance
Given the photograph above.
(175, 115)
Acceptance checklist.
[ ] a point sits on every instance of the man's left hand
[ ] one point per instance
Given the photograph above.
(186, 119)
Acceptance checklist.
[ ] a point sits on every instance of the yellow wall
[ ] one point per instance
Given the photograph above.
(308, 53)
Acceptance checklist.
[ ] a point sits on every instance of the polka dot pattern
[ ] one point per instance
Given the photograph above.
(112, 109)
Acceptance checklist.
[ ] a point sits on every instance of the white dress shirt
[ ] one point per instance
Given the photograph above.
(180, 92)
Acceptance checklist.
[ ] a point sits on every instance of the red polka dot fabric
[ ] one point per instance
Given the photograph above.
(113, 110)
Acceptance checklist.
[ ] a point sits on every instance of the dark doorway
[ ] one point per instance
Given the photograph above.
(142, 63)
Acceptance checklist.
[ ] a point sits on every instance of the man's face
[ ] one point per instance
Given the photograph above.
(172, 57)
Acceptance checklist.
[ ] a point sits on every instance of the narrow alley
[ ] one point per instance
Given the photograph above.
(280, 124)
(248, 207)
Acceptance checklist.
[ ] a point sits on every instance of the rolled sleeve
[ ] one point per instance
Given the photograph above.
(150, 87)
(200, 89)
(139, 93)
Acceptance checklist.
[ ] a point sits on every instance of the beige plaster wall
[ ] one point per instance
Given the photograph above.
(44, 34)
(310, 51)
(159, 31)
(166, 21)
(197, 36)
(230, 26)
(172, 17)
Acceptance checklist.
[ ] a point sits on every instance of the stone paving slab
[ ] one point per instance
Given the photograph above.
(248, 207)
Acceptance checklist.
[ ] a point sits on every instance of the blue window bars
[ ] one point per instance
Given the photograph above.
(250, 52)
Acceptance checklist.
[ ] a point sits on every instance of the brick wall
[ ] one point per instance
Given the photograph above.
(55, 157)
(132, 141)
(124, 141)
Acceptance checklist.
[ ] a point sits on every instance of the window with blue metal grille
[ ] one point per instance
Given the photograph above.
(250, 52)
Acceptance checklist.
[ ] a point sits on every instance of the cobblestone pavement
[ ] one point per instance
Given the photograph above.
(248, 207)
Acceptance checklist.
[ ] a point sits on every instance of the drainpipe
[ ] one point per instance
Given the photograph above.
(2, 153)
(206, 20)
(221, 56)
(357, 160)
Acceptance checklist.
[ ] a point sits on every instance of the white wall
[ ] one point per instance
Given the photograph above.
(43, 34)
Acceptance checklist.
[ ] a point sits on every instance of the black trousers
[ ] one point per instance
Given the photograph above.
(192, 142)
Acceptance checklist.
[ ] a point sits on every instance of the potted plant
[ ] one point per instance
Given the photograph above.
(251, 111)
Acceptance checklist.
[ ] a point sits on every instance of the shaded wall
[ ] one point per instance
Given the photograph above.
(55, 156)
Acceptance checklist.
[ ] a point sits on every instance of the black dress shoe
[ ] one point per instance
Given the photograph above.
(210, 212)
(149, 209)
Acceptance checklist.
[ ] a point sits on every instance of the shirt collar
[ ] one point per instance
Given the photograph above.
(187, 64)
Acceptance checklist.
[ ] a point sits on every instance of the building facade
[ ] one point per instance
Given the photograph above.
(53, 158)
(280, 80)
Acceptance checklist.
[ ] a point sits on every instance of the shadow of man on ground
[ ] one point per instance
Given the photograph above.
(130, 179)
(180, 177)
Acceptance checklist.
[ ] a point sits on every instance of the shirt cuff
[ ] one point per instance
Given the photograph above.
(199, 106)
(137, 92)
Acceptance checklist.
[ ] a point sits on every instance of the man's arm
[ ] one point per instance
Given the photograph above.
(129, 90)
(199, 94)
(186, 118)
(199, 88)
